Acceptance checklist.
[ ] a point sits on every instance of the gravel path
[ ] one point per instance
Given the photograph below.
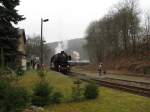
(122, 77)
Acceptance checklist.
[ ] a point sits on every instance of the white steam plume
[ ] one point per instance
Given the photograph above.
(62, 46)
(76, 55)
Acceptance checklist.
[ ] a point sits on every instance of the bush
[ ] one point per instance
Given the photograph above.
(18, 99)
(146, 70)
(5, 71)
(7, 74)
(41, 73)
(20, 71)
(56, 97)
(12, 99)
(77, 91)
(91, 91)
(41, 94)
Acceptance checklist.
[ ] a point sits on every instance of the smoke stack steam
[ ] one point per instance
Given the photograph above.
(62, 46)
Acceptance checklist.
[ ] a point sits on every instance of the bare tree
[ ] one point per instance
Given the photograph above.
(118, 30)
(147, 30)
(33, 46)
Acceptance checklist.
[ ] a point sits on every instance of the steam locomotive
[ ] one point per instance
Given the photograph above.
(59, 62)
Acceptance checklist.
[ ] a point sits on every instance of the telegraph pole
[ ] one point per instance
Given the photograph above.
(41, 57)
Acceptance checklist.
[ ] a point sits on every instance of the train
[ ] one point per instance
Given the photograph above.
(60, 62)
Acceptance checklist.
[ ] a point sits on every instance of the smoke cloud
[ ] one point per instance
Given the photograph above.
(62, 46)
(75, 55)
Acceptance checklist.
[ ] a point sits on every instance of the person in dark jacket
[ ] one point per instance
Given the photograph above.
(101, 69)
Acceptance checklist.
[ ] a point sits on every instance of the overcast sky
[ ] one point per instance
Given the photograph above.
(68, 19)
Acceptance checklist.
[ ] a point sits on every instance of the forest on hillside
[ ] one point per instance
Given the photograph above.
(121, 31)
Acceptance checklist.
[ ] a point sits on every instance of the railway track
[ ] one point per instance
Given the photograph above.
(140, 88)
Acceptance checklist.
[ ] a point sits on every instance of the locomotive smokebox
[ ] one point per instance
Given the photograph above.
(59, 62)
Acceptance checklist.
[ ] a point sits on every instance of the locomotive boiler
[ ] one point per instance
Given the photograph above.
(59, 62)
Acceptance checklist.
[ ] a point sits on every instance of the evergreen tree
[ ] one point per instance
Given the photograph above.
(8, 33)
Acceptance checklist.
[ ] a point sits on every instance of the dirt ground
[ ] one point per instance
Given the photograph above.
(94, 68)
(91, 71)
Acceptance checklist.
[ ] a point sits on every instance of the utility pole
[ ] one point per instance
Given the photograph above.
(41, 58)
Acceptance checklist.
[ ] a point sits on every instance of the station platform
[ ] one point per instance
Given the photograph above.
(115, 76)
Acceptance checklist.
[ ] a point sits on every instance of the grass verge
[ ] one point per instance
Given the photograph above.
(109, 100)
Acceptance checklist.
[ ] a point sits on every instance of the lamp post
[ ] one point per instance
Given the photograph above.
(42, 20)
